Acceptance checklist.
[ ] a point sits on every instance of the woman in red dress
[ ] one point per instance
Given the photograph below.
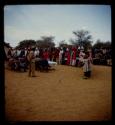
(74, 57)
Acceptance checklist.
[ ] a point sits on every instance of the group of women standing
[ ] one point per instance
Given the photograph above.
(71, 56)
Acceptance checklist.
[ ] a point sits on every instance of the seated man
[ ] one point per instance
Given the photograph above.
(22, 64)
(42, 64)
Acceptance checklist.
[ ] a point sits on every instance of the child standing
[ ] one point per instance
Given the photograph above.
(87, 66)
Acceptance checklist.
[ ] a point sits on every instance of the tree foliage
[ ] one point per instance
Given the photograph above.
(100, 44)
(82, 38)
(26, 43)
(73, 42)
(63, 44)
(7, 44)
(46, 42)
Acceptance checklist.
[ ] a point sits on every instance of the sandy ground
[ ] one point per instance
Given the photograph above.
(59, 95)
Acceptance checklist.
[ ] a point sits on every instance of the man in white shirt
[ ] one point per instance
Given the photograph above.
(37, 52)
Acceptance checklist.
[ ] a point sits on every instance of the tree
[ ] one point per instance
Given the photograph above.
(63, 44)
(26, 43)
(7, 44)
(98, 44)
(73, 42)
(107, 44)
(101, 44)
(46, 42)
(82, 38)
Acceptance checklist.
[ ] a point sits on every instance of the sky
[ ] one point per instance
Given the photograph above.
(34, 21)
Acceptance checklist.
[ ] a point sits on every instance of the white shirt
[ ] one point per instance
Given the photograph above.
(18, 52)
(60, 53)
(37, 52)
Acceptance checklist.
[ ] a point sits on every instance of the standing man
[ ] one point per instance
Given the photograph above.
(31, 59)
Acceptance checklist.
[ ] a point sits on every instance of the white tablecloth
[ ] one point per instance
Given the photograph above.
(51, 63)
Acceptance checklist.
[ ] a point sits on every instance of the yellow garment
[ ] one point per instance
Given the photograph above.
(31, 59)
(32, 69)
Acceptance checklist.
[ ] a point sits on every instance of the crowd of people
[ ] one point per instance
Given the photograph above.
(34, 58)
(102, 56)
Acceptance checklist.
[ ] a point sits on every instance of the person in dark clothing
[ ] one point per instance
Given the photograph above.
(22, 53)
(63, 58)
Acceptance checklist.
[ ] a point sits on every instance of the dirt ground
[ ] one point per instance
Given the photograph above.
(59, 95)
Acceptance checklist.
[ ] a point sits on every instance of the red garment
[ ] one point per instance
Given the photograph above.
(57, 53)
(45, 55)
(74, 55)
(73, 49)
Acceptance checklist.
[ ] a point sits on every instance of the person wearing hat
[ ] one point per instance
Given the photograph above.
(31, 59)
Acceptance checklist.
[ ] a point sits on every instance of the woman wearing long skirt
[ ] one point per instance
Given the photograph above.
(87, 66)
(74, 58)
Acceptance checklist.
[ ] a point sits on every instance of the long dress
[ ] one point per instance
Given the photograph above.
(74, 58)
(68, 58)
(60, 56)
(85, 66)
